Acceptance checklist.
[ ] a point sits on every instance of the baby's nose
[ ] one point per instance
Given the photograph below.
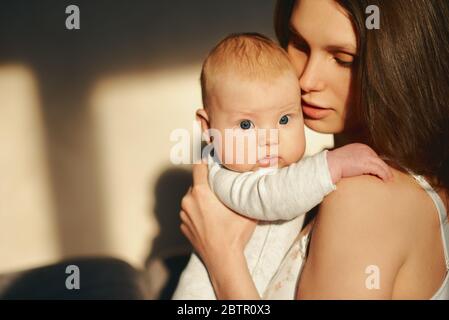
(268, 137)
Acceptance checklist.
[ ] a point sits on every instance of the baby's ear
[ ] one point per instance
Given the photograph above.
(203, 118)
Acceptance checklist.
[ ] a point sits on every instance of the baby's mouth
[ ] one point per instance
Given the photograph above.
(268, 161)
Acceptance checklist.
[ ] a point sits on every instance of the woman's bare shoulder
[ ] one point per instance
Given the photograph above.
(359, 225)
(372, 195)
(383, 211)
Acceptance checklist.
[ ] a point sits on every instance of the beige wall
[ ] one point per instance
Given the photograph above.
(130, 118)
(27, 230)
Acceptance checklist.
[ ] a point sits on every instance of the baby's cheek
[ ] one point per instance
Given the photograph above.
(237, 157)
(293, 146)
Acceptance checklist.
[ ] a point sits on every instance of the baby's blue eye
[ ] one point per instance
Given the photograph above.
(245, 124)
(283, 120)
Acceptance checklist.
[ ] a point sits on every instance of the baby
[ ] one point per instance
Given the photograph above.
(251, 95)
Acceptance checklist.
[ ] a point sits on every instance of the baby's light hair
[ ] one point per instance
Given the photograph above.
(247, 56)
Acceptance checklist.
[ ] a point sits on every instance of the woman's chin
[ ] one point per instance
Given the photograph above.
(325, 125)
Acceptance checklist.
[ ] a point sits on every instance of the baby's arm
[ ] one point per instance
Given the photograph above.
(274, 194)
(283, 194)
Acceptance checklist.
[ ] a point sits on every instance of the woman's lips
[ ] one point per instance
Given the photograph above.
(314, 112)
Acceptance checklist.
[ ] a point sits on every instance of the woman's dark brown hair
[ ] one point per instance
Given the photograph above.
(402, 79)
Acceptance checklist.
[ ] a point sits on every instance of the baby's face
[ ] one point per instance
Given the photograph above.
(260, 122)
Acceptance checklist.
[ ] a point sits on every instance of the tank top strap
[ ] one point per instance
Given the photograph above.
(442, 214)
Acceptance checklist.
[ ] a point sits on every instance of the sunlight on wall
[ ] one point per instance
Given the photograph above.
(317, 141)
(27, 234)
(134, 116)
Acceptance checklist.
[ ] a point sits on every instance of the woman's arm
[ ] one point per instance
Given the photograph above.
(231, 279)
(219, 236)
(358, 245)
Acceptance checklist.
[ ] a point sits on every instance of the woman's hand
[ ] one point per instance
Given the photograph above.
(219, 236)
(216, 232)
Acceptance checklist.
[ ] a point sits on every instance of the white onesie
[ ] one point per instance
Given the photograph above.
(298, 187)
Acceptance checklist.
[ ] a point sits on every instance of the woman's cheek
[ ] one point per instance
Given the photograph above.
(344, 93)
(298, 59)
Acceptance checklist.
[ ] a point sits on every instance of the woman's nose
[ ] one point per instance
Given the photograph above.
(311, 78)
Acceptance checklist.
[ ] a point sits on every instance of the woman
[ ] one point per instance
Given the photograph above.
(386, 88)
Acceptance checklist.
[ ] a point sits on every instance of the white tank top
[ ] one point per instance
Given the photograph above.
(283, 285)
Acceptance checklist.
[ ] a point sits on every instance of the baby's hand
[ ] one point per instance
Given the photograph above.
(356, 159)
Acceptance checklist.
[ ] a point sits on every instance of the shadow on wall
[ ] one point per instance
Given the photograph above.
(170, 247)
(115, 37)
